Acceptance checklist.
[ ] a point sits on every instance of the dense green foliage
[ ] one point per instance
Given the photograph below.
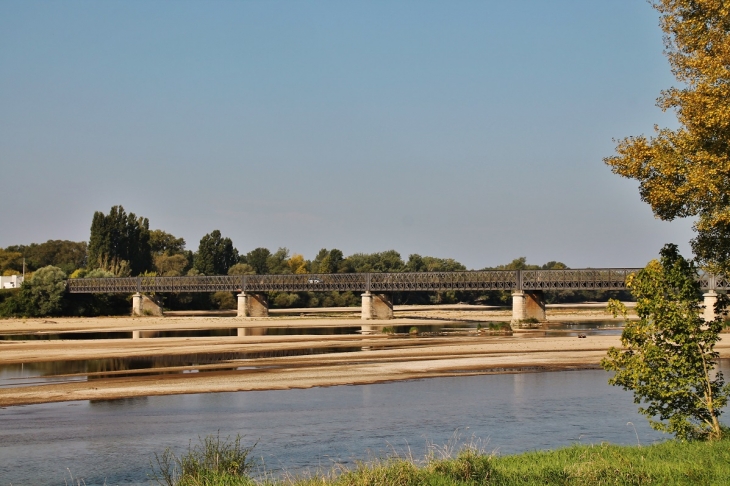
(66, 255)
(165, 243)
(668, 358)
(258, 259)
(120, 242)
(10, 262)
(668, 463)
(41, 295)
(215, 255)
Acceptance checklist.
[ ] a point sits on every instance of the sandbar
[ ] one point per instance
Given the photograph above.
(272, 362)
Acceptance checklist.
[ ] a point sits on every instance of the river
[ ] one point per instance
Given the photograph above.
(112, 442)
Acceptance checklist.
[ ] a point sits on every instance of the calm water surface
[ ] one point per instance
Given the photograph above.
(112, 442)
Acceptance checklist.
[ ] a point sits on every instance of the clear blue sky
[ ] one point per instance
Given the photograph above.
(470, 130)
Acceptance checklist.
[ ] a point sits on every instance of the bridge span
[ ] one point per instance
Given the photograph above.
(527, 287)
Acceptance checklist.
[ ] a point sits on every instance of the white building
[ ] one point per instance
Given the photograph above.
(12, 282)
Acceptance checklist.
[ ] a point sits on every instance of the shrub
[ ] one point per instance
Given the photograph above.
(209, 460)
(224, 300)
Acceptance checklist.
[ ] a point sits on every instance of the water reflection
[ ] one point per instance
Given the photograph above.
(466, 327)
(111, 442)
(592, 328)
(37, 373)
(30, 374)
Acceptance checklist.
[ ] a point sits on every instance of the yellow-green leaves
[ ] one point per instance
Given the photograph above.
(667, 357)
(686, 172)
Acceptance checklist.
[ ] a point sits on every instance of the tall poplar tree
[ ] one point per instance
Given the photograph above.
(120, 240)
(686, 172)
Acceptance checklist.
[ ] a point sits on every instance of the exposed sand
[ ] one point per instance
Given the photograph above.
(362, 358)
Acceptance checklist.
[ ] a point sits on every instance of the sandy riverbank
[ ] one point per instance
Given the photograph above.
(405, 316)
(278, 362)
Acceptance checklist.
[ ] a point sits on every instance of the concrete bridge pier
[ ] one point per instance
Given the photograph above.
(377, 306)
(253, 305)
(710, 300)
(145, 334)
(368, 330)
(251, 331)
(145, 305)
(527, 304)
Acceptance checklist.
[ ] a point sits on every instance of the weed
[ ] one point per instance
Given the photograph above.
(210, 459)
(458, 464)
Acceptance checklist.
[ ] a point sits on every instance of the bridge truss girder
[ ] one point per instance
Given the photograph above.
(507, 280)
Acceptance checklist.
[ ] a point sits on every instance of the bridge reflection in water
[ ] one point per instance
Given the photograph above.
(527, 287)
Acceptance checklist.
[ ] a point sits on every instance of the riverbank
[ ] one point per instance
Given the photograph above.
(275, 362)
(667, 463)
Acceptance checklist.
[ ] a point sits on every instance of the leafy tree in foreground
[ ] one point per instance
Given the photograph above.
(686, 172)
(668, 357)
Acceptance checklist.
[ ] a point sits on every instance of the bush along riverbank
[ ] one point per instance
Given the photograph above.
(217, 462)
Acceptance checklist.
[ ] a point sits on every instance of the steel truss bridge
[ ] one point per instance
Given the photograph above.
(508, 280)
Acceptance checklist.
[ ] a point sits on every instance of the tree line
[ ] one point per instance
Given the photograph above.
(122, 244)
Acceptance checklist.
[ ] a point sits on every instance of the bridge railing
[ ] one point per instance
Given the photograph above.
(441, 281)
(115, 285)
(711, 281)
(587, 278)
(548, 280)
(317, 282)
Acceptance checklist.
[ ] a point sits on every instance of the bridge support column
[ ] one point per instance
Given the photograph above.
(251, 331)
(710, 300)
(144, 305)
(377, 306)
(242, 310)
(366, 312)
(253, 305)
(529, 304)
(137, 305)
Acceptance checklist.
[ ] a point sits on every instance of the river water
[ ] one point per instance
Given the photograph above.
(112, 442)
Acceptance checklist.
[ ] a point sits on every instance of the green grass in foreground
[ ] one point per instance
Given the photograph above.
(668, 463)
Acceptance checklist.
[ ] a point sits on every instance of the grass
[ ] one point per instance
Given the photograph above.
(668, 463)
(213, 461)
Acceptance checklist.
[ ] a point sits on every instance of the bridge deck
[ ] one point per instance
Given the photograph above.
(510, 280)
